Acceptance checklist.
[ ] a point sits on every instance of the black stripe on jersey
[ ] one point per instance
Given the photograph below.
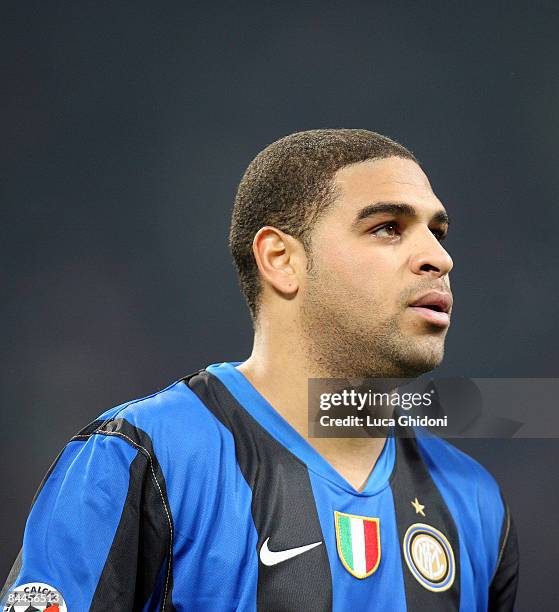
(502, 590)
(143, 540)
(83, 434)
(283, 506)
(411, 479)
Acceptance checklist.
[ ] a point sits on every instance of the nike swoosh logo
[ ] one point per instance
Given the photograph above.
(270, 557)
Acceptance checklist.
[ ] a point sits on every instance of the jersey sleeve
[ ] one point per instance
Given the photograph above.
(502, 590)
(97, 531)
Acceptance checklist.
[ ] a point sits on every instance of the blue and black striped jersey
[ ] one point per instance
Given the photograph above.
(202, 497)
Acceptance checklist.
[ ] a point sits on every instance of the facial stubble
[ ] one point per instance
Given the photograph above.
(347, 334)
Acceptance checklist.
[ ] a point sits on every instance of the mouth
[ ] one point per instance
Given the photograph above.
(434, 307)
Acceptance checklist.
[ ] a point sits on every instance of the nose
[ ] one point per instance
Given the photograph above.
(430, 258)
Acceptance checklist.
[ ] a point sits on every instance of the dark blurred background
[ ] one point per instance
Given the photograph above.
(126, 127)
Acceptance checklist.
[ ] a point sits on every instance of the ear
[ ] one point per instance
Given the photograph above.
(280, 259)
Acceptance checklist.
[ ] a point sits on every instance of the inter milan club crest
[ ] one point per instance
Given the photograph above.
(429, 556)
(358, 541)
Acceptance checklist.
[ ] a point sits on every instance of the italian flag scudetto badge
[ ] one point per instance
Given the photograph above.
(358, 542)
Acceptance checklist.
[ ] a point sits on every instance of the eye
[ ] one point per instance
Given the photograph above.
(389, 228)
(440, 234)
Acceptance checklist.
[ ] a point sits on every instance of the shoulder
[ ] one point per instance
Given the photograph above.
(177, 443)
(171, 413)
(457, 469)
(171, 428)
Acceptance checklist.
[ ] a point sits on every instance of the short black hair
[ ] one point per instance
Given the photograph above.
(288, 185)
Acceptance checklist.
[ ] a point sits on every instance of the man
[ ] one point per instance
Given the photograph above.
(210, 495)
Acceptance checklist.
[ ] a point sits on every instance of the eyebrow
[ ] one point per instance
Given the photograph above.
(395, 208)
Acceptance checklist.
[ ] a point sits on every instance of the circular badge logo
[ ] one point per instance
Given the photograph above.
(34, 597)
(429, 557)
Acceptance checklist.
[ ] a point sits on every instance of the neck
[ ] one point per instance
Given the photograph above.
(279, 368)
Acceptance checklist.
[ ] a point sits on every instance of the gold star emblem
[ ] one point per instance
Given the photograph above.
(417, 507)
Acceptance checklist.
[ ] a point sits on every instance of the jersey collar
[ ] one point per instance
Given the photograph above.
(268, 417)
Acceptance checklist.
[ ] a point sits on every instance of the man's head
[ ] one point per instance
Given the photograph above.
(339, 230)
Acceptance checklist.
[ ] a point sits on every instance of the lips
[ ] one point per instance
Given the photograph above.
(435, 307)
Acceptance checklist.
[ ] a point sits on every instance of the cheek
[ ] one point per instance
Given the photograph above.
(364, 273)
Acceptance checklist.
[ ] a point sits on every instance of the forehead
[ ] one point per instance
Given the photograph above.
(383, 180)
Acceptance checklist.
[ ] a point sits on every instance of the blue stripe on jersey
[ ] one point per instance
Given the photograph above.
(265, 414)
(71, 526)
(474, 500)
(383, 591)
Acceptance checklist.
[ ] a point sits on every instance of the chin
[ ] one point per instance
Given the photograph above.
(415, 363)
